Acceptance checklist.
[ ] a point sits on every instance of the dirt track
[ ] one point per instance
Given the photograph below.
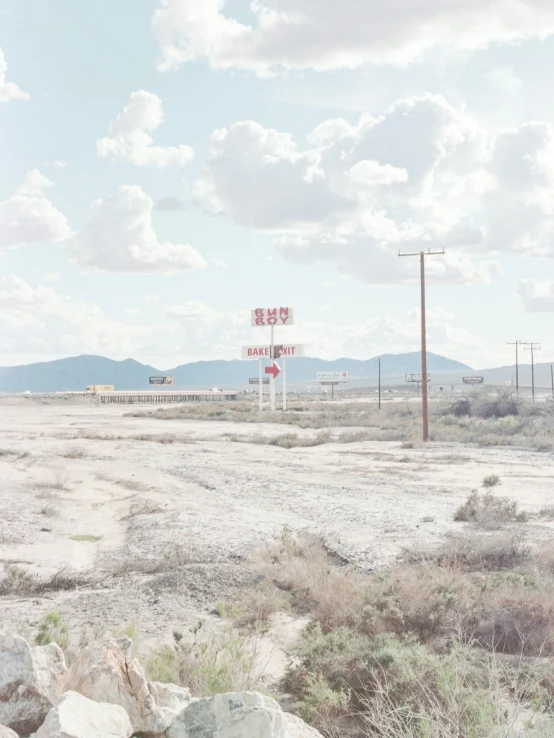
(203, 502)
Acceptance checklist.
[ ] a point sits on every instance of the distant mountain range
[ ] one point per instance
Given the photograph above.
(77, 372)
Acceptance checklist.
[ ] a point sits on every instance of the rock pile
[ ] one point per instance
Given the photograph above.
(105, 694)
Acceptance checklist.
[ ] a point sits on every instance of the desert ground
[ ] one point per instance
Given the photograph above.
(327, 520)
(158, 517)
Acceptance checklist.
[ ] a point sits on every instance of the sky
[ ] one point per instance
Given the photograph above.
(167, 166)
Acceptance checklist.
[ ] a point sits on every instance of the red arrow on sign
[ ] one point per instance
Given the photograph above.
(274, 369)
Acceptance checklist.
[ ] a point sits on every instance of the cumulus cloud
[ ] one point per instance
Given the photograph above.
(258, 177)
(422, 175)
(129, 138)
(39, 322)
(302, 34)
(119, 237)
(537, 297)
(9, 90)
(29, 217)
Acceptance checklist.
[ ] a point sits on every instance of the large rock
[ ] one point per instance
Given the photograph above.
(172, 696)
(7, 733)
(107, 672)
(233, 715)
(297, 728)
(76, 716)
(23, 702)
(50, 668)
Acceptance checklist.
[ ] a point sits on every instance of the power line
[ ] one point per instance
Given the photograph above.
(424, 386)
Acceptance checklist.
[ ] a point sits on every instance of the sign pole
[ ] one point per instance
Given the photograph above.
(379, 383)
(272, 378)
(261, 388)
(284, 384)
(552, 378)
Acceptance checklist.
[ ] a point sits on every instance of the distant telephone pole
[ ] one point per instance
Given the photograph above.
(424, 386)
(517, 344)
(532, 348)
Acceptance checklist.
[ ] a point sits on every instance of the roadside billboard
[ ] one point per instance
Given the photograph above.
(332, 377)
(161, 380)
(473, 380)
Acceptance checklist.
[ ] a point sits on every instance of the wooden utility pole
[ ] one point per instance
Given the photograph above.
(424, 385)
(532, 348)
(552, 378)
(516, 344)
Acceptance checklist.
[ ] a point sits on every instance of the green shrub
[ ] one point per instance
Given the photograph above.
(52, 629)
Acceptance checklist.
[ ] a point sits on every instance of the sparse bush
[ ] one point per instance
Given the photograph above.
(18, 581)
(208, 663)
(52, 629)
(255, 607)
(492, 480)
(488, 511)
(480, 553)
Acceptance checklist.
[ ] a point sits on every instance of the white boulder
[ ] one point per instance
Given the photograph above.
(231, 715)
(76, 716)
(23, 703)
(172, 696)
(107, 672)
(297, 728)
(50, 667)
(6, 732)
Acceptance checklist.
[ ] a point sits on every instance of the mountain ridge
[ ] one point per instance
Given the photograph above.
(77, 372)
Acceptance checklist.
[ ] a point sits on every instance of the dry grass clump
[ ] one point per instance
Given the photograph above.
(208, 663)
(253, 610)
(142, 507)
(76, 452)
(489, 512)
(18, 581)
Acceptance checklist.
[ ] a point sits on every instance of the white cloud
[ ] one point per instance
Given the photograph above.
(537, 297)
(29, 217)
(152, 299)
(220, 263)
(130, 141)
(325, 35)
(43, 323)
(192, 310)
(34, 184)
(257, 176)
(422, 175)
(53, 277)
(408, 179)
(9, 90)
(119, 237)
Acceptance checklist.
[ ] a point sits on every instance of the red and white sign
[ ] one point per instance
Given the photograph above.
(273, 316)
(288, 351)
(274, 369)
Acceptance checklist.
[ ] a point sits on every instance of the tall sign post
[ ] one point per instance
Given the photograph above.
(425, 403)
(271, 317)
